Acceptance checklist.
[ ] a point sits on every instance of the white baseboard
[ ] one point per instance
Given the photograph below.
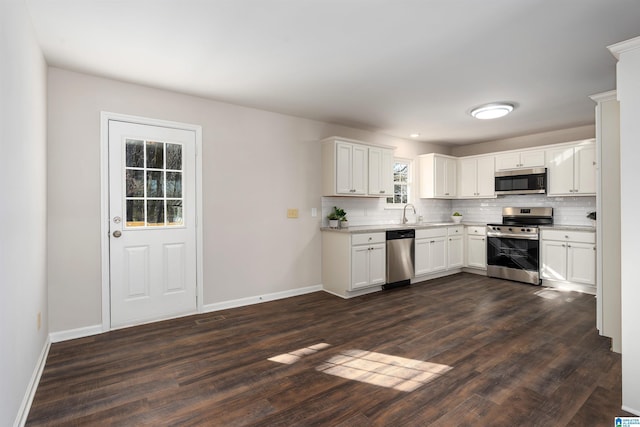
(25, 406)
(207, 308)
(628, 409)
(72, 334)
(566, 286)
(97, 329)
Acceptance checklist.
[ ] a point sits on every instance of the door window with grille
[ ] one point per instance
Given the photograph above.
(153, 181)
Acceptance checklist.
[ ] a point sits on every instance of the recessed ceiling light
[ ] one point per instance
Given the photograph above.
(492, 111)
(414, 135)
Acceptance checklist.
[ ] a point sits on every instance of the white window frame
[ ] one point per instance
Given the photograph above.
(410, 186)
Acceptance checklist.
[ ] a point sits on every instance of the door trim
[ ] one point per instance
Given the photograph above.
(105, 117)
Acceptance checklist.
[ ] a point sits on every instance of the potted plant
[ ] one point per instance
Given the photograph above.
(342, 216)
(334, 219)
(456, 217)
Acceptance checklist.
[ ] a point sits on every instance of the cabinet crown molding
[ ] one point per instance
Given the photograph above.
(355, 141)
(604, 96)
(624, 46)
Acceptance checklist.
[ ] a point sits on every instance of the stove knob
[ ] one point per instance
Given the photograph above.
(510, 229)
(528, 229)
(523, 230)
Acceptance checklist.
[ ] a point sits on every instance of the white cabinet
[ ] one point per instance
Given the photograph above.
(455, 247)
(367, 265)
(572, 170)
(581, 263)
(520, 159)
(439, 249)
(380, 172)
(353, 263)
(430, 251)
(351, 168)
(437, 176)
(476, 177)
(568, 256)
(476, 247)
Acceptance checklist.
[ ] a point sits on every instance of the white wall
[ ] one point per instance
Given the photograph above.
(23, 290)
(628, 88)
(256, 164)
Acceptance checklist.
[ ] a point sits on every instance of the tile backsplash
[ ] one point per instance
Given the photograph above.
(365, 211)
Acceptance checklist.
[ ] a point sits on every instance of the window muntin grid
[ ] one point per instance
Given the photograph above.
(153, 184)
(401, 183)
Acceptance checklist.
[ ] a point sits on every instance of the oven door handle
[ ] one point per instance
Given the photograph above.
(512, 236)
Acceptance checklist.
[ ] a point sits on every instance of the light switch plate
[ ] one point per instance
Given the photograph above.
(314, 212)
(292, 213)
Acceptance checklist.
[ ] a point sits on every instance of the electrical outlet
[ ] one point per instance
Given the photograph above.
(39, 320)
(292, 213)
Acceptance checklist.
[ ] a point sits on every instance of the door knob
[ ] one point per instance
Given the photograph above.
(117, 233)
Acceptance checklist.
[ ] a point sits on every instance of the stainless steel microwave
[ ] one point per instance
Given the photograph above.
(521, 181)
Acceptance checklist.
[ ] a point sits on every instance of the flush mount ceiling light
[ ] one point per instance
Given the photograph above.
(414, 135)
(492, 111)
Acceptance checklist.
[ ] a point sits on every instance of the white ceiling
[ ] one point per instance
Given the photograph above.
(390, 66)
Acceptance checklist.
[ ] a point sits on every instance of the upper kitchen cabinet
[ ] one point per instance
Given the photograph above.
(476, 177)
(520, 159)
(572, 169)
(380, 172)
(353, 168)
(437, 176)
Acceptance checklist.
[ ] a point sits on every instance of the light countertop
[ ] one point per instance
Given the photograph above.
(425, 225)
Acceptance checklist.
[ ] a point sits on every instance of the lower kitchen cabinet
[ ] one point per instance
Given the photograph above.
(431, 253)
(367, 265)
(477, 247)
(569, 257)
(353, 263)
(455, 247)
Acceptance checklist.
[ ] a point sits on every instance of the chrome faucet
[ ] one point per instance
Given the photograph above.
(404, 212)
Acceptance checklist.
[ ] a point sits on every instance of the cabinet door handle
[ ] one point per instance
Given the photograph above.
(382, 191)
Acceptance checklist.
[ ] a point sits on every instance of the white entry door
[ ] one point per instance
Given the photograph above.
(152, 222)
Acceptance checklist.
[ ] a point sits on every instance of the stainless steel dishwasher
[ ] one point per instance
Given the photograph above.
(400, 253)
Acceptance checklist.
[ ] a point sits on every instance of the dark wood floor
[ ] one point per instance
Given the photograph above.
(505, 354)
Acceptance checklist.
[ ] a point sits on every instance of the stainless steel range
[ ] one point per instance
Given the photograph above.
(513, 247)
